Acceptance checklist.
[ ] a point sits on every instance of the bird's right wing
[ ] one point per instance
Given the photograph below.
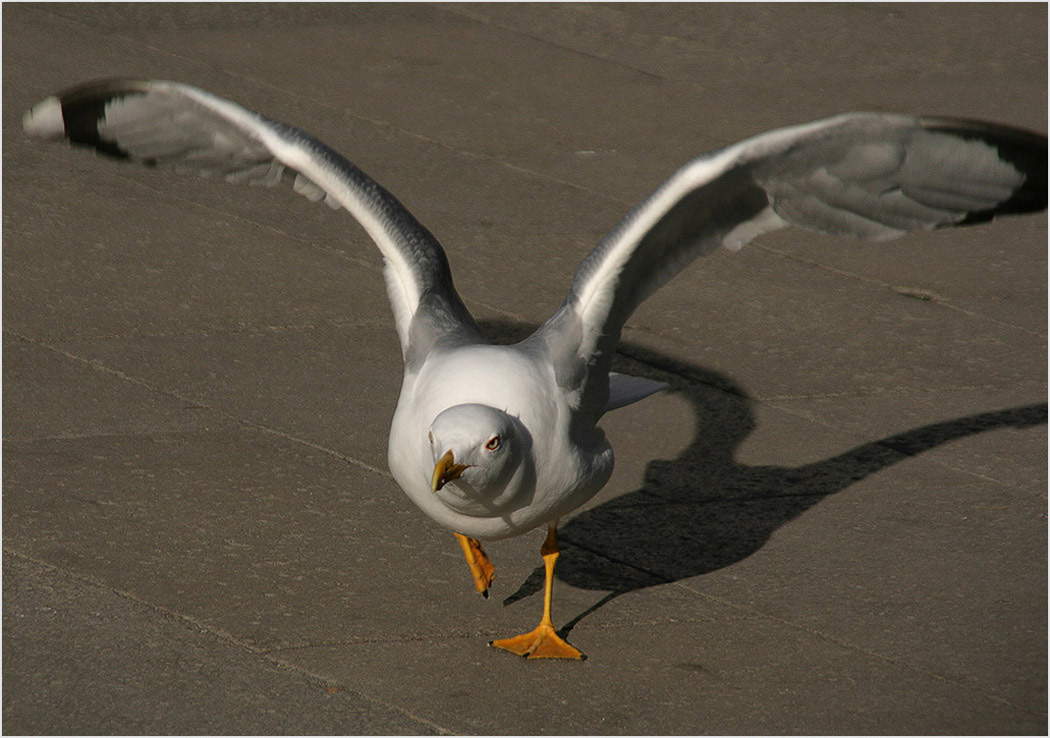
(866, 175)
(167, 123)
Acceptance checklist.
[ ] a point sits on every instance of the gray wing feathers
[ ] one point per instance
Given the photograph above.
(905, 179)
(869, 176)
(166, 128)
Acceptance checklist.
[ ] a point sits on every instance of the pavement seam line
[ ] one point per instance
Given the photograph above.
(221, 635)
(102, 367)
(373, 640)
(242, 330)
(897, 289)
(561, 47)
(331, 250)
(115, 434)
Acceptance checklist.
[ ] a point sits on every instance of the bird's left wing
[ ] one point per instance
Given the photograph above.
(167, 123)
(866, 175)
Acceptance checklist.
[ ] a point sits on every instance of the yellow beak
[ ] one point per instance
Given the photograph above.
(445, 471)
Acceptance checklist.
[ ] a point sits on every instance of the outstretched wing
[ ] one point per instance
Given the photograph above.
(870, 176)
(167, 123)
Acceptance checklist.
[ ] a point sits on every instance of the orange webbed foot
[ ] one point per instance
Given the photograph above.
(542, 643)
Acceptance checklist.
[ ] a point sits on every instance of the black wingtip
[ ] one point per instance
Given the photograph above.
(1025, 151)
(75, 113)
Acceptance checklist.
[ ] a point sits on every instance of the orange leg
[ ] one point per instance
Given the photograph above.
(480, 567)
(543, 642)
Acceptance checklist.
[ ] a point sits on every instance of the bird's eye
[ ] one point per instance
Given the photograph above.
(493, 443)
(430, 435)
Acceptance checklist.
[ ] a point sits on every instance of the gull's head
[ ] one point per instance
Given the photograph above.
(480, 459)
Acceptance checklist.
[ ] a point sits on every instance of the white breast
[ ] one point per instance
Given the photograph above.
(511, 381)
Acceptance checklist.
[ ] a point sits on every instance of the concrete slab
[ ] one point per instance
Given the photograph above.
(80, 658)
(999, 437)
(835, 521)
(54, 395)
(870, 336)
(677, 678)
(332, 385)
(997, 277)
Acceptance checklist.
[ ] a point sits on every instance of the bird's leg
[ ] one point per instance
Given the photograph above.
(480, 567)
(543, 642)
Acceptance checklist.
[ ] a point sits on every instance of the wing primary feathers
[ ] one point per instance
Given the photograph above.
(1024, 150)
(870, 176)
(81, 108)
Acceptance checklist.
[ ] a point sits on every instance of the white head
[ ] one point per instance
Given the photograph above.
(480, 460)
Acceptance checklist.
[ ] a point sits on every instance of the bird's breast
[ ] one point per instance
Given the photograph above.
(561, 472)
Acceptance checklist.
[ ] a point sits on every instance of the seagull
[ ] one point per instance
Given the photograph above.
(493, 441)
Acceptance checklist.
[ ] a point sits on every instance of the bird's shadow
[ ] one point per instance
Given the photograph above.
(704, 510)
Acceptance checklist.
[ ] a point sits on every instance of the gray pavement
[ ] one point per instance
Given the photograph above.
(835, 521)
